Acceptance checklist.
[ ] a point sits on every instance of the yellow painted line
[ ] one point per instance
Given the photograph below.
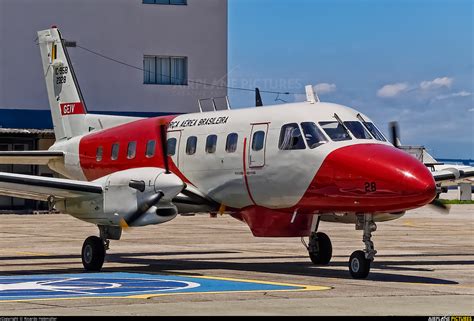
(25, 253)
(302, 288)
(257, 281)
(409, 223)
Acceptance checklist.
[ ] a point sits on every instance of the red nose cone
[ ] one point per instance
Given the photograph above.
(371, 178)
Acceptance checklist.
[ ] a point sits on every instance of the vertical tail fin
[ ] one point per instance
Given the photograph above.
(68, 109)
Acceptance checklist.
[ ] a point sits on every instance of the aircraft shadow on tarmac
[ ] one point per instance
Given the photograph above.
(144, 263)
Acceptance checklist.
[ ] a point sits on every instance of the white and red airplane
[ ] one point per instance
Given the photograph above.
(280, 169)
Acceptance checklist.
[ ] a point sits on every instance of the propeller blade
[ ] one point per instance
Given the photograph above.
(164, 146)
(126, 222)
(395, 134)
(258, 98)
(440, 206)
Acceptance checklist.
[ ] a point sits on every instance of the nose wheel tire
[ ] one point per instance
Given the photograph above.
(93, 254)
(320, 248)
(359, 266)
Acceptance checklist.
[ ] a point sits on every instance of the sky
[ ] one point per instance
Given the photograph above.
(409, 61)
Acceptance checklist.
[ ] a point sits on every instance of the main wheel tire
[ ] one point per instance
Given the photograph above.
(359, 266)
(93, 254)
(320, 248)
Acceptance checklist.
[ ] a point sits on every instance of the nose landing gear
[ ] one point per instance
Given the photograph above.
(360, 261)
(320, 247)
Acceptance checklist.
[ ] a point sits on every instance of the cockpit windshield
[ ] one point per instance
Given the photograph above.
(375, 132)
(357, 129)
(372, 129)
(313, 135)
(335, 130)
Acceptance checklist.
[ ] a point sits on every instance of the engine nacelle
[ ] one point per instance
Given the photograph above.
(120, 200)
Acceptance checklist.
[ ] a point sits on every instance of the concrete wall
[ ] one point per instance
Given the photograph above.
(125, 30)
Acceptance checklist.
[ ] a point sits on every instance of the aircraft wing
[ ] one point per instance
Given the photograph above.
(30, 157)
(40, 188)
(453, 174)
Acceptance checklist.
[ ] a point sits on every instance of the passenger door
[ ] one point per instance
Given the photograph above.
(257, 145)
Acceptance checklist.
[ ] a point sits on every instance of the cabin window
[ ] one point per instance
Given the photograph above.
(150, 148)
(313, 135)
(211, 144)
(191, 145)
(335, 130)
(132, 150)
(375, 132)
(291, 138)
(99, 153)
(231, 143)
(172, 142)
(258, 141)
(357, 129)
(115, 151)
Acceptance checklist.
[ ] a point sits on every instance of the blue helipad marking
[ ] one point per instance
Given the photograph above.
(118, 285)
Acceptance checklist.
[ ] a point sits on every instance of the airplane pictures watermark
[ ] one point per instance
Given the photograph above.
(451, 318)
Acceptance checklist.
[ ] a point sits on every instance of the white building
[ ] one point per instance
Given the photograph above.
(175, 41)
(179, 40)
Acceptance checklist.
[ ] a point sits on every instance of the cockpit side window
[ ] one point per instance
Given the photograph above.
(335, 130)
(313, 135)
(375, 132)
(357, 129)
(291, 138)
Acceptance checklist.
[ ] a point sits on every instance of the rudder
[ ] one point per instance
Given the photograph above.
(68, 109)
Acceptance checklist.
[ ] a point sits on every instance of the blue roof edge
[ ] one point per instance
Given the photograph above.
(41, 119)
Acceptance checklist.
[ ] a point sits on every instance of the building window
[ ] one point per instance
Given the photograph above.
(172, 146)
(211, 144)
(150, 148)
(191, 145)
(231, 144)
(175, 2)
(158, 70)
(115, 151)
(132, 150)
(291, 138)
(100, 152)
(258, 141)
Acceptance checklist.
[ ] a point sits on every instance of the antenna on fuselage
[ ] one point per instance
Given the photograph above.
(311, 96)
(258, 98)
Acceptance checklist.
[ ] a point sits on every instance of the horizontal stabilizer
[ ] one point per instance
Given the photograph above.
(30, 157)
(453, 174)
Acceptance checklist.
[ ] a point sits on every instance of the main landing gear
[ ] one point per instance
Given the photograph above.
(95, 248)
(320, 248)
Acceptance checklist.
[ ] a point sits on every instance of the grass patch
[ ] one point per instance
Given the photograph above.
(456, 202)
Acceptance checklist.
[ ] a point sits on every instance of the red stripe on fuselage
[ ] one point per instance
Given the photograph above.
(141, 132)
